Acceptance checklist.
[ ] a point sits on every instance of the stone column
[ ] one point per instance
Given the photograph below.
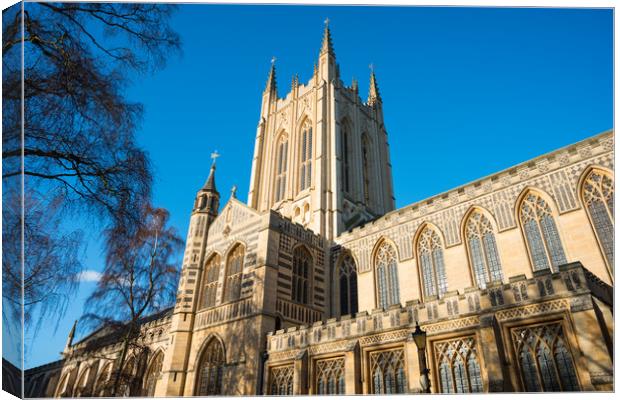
(300, 378)
(490, 354)
(352, 370)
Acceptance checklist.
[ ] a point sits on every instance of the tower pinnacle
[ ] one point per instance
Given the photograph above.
(271, 80)
(327, 46)
(373, 89)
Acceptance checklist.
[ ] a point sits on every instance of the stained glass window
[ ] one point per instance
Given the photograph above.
(211, 278)
(544, 359)
(598, 196)
(430, 254)
(458, 365)
(348, 285)
(302, 275)
(234, 272)
(330, 376)
(210, 369)
(387, 371)
(281, 380)
(387, 275)
(541, 233)
(152, 375)
(305, 169)
(281, 166)
(483, 252)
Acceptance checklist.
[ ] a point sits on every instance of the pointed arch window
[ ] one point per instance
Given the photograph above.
(281, 380)
(330, 376)
(346, 155)
(430, 253)
(305, 168)
(152, 375)
(101, 385)
(541, 233)
(281, 167)
(366, 168)
(544, 359)
(458, 365)
(234, 272)
(127, 379)
(483, 254)
(387, 372)
(81, 389)
(212, 276)
(386, 269)
(598, 196)
(348, 285)
(210, 369)
(302, 275)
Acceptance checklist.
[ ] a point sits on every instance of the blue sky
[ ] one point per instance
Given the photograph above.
(467, 92)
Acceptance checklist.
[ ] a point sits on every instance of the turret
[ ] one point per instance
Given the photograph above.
(208, 198)
(270, 94)
(327, 68)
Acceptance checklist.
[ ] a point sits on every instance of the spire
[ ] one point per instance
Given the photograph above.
(71, 335)
(373, 89)
(327, 46)
(209, 185)
(271, 80)
(355, 86)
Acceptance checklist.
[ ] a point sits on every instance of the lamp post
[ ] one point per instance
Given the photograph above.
(419, 337)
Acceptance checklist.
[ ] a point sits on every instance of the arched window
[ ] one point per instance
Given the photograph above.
(302, 275)
(483, 254)
(346, 156)
(61, 390)
(80, 389)
(305, 168)
(211, 278)
(544, 359)
(458, 365)
(101, 385)
(127, 379)
(430, 253)
(366, 168)
(387, 372)
(234, 272)
(598, 196)
(210, 369)
(348, 285)
(386, 276)
(281, 163)
(543, 239)
(281, 380)
(152, 374)
(330, 376)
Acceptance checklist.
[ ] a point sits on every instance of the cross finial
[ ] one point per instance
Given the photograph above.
(372, 67)
(273, 60)
(214, 156)
(233, 191)
(326, 22)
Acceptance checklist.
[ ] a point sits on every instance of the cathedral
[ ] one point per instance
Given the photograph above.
(318, 285)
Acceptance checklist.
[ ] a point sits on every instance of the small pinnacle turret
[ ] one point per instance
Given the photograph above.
(71, 336)
(208, 198)
(373, 89)
(209, 185)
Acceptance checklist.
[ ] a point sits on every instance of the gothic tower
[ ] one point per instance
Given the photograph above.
(321, 155)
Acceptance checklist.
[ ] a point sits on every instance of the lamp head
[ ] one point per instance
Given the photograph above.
(419, 337)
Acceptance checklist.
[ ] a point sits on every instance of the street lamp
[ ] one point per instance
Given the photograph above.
(419, 337)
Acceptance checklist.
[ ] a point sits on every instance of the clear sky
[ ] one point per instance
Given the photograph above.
(467, 92)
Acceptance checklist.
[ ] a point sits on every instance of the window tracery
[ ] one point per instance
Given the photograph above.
(210, 369)
(387, 372)
(386, 276)
(330, 376)
(305, 169)
(281, 380)
(302, 275)
(100, 389)
(152, 375)
(211, 274)
(458, 365)
(348, 285)
(544, 358)
(430, 253)
(482, 247)
(541, 233)
(281, 167)
(234, 272)
(598, 196)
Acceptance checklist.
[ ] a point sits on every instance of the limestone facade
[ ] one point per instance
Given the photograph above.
(316, 285)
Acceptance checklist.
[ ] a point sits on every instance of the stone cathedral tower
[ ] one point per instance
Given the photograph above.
(321, 155)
